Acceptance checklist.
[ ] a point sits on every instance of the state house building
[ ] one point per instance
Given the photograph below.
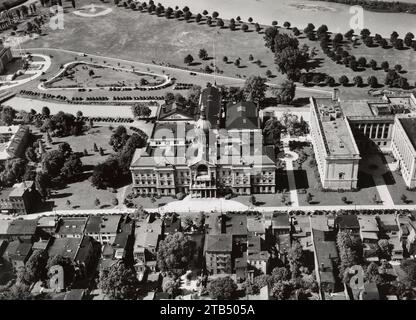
(201, 157)
(344, 131)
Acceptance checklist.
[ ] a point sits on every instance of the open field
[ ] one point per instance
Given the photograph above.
(167, 41)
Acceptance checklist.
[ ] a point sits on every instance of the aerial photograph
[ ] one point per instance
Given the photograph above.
(207, 150)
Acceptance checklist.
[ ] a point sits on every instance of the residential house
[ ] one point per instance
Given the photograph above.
(20, 199)
(218, 252)
(47, 226)
(71, 227)
(25, 230)
(326, 256)
(280, 224)
(147, 234)
(17, 253)
(348, 223)
(257, 257)
(103, 229)
(369, 232)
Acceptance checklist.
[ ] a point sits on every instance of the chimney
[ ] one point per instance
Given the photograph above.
(335, 95)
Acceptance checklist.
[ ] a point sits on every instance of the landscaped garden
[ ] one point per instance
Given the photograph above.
(86, 75)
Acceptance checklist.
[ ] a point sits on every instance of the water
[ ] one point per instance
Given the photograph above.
(300, 12)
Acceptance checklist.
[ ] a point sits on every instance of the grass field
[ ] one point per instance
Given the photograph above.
(139, 36)
(82, 75)
(82, 194)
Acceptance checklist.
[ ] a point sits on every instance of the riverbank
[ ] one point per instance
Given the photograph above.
(379, 6)
(299, 13)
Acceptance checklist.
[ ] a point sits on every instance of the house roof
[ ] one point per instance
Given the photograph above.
(103, 224)
(409, 126)
(22, 227)
(175, 111)
(147, 234)
(242, 115)
(255, 225)
(219, 243)
(18, 250)
(347, 222)
(172, 224)
(47, 222)
(280, 221)
(84, 249)
(211, 101)
(71, 225)
(66, 247)
(368, 224)
(325, 252)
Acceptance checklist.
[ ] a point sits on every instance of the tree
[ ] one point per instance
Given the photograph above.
(408, 39)
(13, 171)
(362, 62)
(385, 65)
(203, 54)
(330, 81)
(358, 81)
(409, 266)
(255, 88)
(372, 81)
(187, 223)
(338, 38)
(295, 258)
(222, 288)
(398, 67)
(225, 59)
(188, 59)
(285, 93)
(97, 202)
(187, 16)
(141, 110)
(282, 290)
(67, 265)
(52, 162)
(72, 167)
(244, 27)
(46, 112)
(215, 14)
(35, 267)
(220, 23)
(105, 174)
(119, 282)
(119, 138)
(205, 12)
(290, 60)
(274, 23)
(272, 130)
(7, 115)
(286, 24)
(175, 252)
(365, 33)
(373, 64)
(343, 80)
(172, 287)
(398, 44)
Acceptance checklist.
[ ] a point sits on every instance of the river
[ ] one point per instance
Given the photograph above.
(300, 12)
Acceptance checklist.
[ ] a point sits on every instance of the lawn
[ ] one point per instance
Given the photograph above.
(83, 75)
(133, 35)
(307, 180)
(82, 194)
(397, 188)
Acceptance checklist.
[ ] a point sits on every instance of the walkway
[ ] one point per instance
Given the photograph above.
(291, 156)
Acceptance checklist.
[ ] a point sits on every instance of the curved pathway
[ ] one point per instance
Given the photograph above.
(299, 87)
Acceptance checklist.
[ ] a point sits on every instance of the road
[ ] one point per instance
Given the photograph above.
(213, 76)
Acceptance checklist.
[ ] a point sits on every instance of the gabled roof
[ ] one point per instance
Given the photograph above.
(71, 225)
(211, 101)
(174, 111)
(347, 222)
(242, 115)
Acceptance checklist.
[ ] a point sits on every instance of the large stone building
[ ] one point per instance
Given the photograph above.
(201, 157)
(337, 155)
(344, 131)
(20, 199)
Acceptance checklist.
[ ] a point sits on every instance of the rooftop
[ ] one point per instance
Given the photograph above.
(325, 252)
(18, 250)
(147, 234)
(368, 224)
(66, 247)
(242, 115)
(22, 227)
(211, 100)
(335, 129)
(255, 225)
(71, 225)
(4, 225)
(219, 243)
(103, 224)
(347, 222)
